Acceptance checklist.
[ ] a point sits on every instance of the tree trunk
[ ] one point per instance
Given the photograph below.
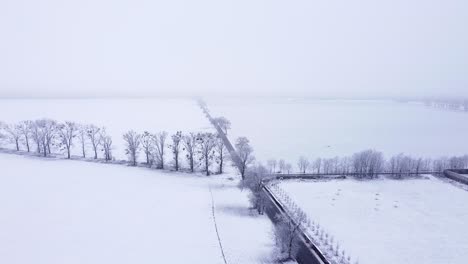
(45, 150)
(290, 246)
(95, 152)
(27, 143)
(221, 165)
(221, 160)
(68, 152)
(17, 144)
(191, 163)
(176, 155)
(83, 150)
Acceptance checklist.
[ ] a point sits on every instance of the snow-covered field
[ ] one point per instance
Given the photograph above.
(117, 115)
(288, 128)
(389, 221)
(62, 211)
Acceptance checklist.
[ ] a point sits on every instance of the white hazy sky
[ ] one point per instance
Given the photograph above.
(254, 47)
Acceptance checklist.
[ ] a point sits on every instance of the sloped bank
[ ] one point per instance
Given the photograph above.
(457, 175)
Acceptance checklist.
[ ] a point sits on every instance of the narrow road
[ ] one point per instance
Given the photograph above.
(232, 151)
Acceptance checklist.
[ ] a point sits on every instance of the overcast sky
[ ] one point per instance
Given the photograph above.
(316, 48)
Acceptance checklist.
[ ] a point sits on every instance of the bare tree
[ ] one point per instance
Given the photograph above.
(36, 135)
(281, 165)
(368, 163)
(67, 132)
(2, 127)
(50, 132)
(175, 148)
(288, 167)
(82, 133)
(223, 123)
(147, 143)
(327, 166)
(94, 136)
(159, 145)
(220, 151)
(418, 164)
(402, 165)
(441, 164)
(25, 129)
(132, 140)
(14, 134)
(206, 142)
(245, 153)
(303, 164)
(255, 183)
(345, 165)
(335, 164)
(190, 146)
(457, 162)
(287, 232)
(44, 131)
(317, 165)
(106, 142)
(271, 163)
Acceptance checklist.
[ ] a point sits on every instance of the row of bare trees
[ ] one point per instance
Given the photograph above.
(45, 135)
(450, 104)
(200, 149)
(369, 163)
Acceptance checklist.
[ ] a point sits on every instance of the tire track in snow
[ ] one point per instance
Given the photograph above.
(216, 226)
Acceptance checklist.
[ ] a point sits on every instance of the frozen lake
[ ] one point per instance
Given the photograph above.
(282, 128)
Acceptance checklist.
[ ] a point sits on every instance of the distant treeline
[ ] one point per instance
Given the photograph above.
(450, 104)
(368, 164)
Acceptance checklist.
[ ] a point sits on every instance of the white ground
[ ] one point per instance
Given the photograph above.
(389, 221)
(282, 128)
(117, 115)
(61, 211)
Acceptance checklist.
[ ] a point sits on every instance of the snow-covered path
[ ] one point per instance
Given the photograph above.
(246, 236)
(59, 211)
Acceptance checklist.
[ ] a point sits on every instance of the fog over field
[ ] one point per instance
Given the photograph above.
(234, 132)
(358, 48)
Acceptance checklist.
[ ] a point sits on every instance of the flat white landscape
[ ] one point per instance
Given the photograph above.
(288, 128)
(62, 211)
(117, 115)
(389, 221)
